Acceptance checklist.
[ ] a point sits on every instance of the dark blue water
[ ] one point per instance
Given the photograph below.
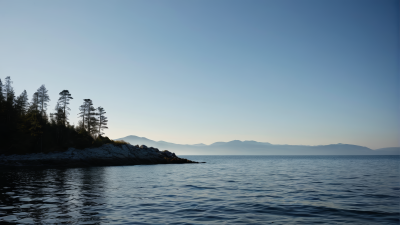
(225, 190)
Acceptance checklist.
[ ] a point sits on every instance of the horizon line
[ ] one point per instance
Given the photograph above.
(254, 141)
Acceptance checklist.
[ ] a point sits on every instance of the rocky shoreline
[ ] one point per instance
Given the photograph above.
(106, 155)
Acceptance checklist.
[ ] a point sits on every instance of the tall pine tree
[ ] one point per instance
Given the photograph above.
(82, 115)
(102, 120)
(35, 102)
(43, 99)
(8, 91)
(88, 115)
(63, 103)
(3, 119)
(9, 95)
(21, 103)
(1, 93)
(91, 119)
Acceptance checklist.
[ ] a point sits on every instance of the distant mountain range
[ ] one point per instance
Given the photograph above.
(259, 148)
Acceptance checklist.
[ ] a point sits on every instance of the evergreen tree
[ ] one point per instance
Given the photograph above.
(88, 113)
(3, 120)
(8, 91)
(102, 120)
(9, 96)
(1, 92)
(63, 103)
(35, 102)
(82, 114)
(43, 98)
(58, 116)
(2, 100)
(91, 120)
(21, 103)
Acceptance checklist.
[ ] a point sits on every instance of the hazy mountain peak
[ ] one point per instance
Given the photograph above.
(200, 144)
(134, 136)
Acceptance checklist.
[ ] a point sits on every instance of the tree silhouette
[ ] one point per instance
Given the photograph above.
(102, 120)
(9, 95)
(8, 91)
(43, 98)
(1, 93)
(91, 119)
(88, 113)
(63, 103)
(82, 114)
(35, 101)
(21, 103)
(58, 116)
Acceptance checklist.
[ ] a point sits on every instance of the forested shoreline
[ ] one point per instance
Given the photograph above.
(27, 127)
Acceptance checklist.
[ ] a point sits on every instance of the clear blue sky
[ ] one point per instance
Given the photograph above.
(278, 71)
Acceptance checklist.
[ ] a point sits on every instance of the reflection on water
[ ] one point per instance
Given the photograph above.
(51, 195)
(227, 189)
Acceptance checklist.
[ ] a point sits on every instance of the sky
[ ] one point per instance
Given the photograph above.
(305, 72)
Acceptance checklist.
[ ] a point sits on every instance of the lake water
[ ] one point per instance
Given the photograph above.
(225, 190)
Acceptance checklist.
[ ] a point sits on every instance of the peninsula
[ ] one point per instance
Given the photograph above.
(106, 155)
(30, 136)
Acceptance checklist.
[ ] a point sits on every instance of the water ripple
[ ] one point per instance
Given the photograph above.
(225, 190)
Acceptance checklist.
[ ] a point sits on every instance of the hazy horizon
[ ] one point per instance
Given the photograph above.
(209, 144)
(189, 72)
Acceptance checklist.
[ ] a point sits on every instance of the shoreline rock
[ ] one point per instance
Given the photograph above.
(106, 155)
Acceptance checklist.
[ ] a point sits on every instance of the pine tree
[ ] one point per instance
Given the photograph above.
(2, 100)
(1, 92)
(63, 103)
(35, 125)
(8, 91)
(94, 123)
(9, 95)
(82, 115)
(91, 118)
(21, 103)
(3, 119)
(58, 116)
(89, 121)
(43, 98)
(102, 120)
(35, 102)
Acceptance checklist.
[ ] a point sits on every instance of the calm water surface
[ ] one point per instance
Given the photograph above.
(225, 190)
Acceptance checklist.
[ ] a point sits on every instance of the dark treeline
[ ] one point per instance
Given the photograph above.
(26, 127)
